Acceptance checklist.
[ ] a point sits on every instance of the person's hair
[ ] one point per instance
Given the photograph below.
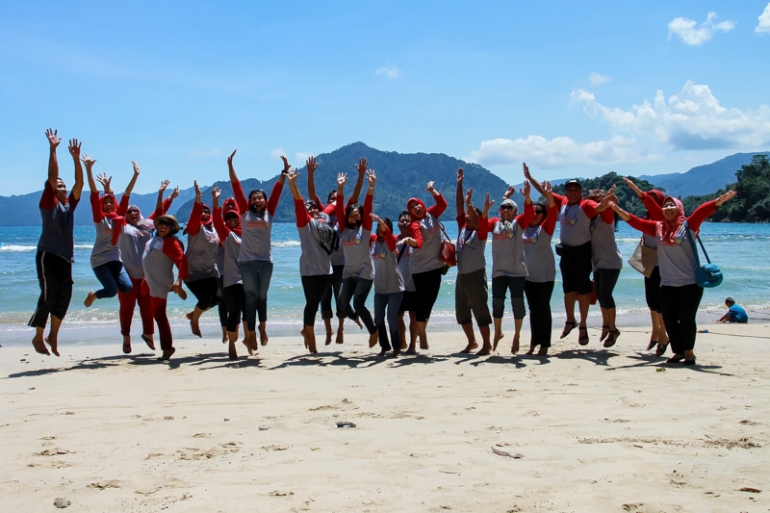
(388, 223)
(729, 301)
(329, 196)
(257, 191)
(404, 213)
(540, 207)
(478, 211)
(351, 208)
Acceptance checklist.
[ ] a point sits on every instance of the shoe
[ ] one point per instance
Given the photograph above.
(652, 344)
(661, 350)
(605, 332)
(612, 338)
(675, 359)
(689, 362)
(583, 339)
(568, 327)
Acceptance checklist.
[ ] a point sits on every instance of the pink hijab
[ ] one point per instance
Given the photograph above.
(668, 228)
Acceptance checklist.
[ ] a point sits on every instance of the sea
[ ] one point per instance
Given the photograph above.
(741, 250)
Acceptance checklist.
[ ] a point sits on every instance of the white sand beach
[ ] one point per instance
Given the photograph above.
(597, 430)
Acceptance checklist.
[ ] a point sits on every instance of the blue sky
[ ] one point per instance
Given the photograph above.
(572, 88)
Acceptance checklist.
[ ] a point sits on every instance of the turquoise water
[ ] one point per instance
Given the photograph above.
(741, 250)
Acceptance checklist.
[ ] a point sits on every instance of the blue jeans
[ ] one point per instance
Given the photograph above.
(357, 289)
(113, 278)
(256, 276)
(392, 302)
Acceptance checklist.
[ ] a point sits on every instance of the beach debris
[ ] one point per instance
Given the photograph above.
(660, 369)
(112, 483)
(640, 446)
(61, 502)
(750, 490)
(501, 452)
(449, 472)
(201, 435)
(227, 420)
(345, 424)
(749, 423)
(274, 448)
(276, 493)
(264, 428)
(703, 331)
(315, 448)
(168, 417)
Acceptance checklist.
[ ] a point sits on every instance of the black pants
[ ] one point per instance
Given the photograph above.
(575, 264)
(652, 290)
(679, 306)
(222, 304)
(427, 286)
(540, 321)
(206, 291)
(335, 285)
(54, 275)
(500, 287)
(605, 280)
(235, 300)
(357, 289)
(314, 288)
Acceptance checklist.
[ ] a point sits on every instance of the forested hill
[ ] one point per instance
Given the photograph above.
(399, 177)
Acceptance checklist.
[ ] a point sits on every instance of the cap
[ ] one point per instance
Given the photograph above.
(573, 181)
(509, 201)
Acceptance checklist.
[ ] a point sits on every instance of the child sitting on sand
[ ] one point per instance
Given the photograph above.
(736, 313)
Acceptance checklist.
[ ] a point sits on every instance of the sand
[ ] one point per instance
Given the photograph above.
(597, 430)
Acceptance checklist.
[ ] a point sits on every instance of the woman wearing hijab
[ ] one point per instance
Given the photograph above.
(680, 294)
(161, 254)
(105, 257)
(256, 258)
(541, 271)
(55, 248)
(388, 286)
(131, 233)
(425, 262)
(202, 273)
(355, 228)
(658, 337)
(315, 268)
(228, 226)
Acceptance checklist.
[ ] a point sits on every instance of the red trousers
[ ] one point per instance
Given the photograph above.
(128, 302)
(164, 329)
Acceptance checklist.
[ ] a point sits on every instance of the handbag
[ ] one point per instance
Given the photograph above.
(635, 260)
(448, 253)
(707, 275)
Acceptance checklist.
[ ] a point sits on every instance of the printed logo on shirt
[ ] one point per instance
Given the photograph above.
(259, 224)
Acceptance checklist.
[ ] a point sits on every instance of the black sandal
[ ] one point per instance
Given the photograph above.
(568, 327)
(605, 332)
(661, 350)
(583, 340)
(612, 338)
(676, 358)
(652, 344)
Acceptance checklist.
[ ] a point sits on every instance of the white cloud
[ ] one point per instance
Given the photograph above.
(694, 34)
(763, 27)
(391, 72)
(301, 157)
(558, 152)
(597, 79)
(691, 119)
(277, 152)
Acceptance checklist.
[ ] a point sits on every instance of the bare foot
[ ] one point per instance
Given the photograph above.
(404, 345)
(53, 342)
(311, 343)
(543, 351)
(194, 327)
(262, 334)
(515, 345)
(303, 332)
(90, 298)
(148, 340)
(37, 343)
(472, 346)
(232, 352)
(340, 337)
(498, 337)
(224, 335)
(411, 351)
(329, 333)
(248, 347)
(424, 345)
(126, 344)
(373, 339)
(167, 353)
(251, 339)
(358, 321)
(486, 350)
(531, 348)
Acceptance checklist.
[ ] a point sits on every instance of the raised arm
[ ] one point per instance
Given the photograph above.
(312, 165)
(96, 206)
(53, 160)
(366, 222)
(194, 222)
(390, 239)
(240, 197)
(552, 213)
(643, 225)
(219, 223)
(483, 228)
(77, 189)
(361, 168)
(531, 180)
(106, 182)
(342, 221)
(275, 194)
(159, 202)
(303, 218)
(526, 217)
(706, 210)
(459, 194)
(132, 183)
(441, 204)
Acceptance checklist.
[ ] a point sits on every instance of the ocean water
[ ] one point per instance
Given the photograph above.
(741, 250)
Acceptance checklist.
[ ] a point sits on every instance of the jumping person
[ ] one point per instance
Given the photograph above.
(56, 247)
(338, 255)
(355, 228)
(680, 294)
(256, 258)
(541, 271)
(105, 257)
(658, 336)
(131, 233)
(388, 286)
(228, 227)
(162, 253)
(408, 299)
(471, 289)
(425, 263)
(509, 268)
(607, 263)
(202, 272)
(575, 214)
(315, 269)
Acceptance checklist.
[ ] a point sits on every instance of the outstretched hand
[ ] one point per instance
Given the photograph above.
(430, 187)
(488, 202)
(215, 192)
(292, 175)
(362, 165)
(342, 179)
(286, 165)
(88, 160)
(198, 193)
(376, 218)
(725, 197)
(53, 138)
(163, 185)
(509, 192)
(175, 193)
(527, 175)
(74, 148)
(460, 176)
(633, 186)
(136, 168)
(547, 189)
(468, 196)
(527, 190)
(311, 164)
(104, 180)
(230, 158)
(371, 178)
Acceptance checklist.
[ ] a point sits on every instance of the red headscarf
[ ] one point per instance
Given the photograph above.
(409, 204)
(658, 197)
(231, 206)
(668, 229)
(114, 213)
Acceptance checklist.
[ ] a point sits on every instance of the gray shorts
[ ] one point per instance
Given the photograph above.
(472, 296)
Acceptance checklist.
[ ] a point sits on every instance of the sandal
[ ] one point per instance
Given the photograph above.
(652, 344)
(605, 332)
(612, 338)
(676, 358)
(583, 339)
(568, 327)
(661, 350)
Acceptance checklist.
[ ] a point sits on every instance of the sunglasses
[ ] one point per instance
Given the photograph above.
(132, 211)
(164, 223)
(506, 207)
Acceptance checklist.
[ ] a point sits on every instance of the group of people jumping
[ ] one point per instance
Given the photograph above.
(227, 261)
